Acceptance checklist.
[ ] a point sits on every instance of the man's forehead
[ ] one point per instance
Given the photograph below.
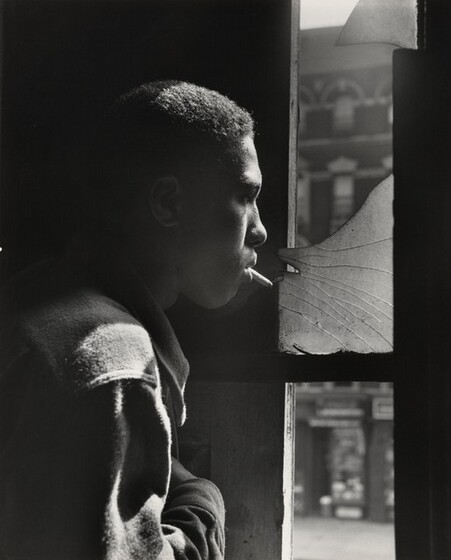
(238, 164)
(248, 162)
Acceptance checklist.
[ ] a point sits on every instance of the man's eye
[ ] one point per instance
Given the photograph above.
(250, 194)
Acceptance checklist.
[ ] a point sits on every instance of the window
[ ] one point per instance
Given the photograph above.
(344, 465)
(343, 113)
(303, 203)
(390, 113)
(342, 201)
(412, 73)
(307, 102)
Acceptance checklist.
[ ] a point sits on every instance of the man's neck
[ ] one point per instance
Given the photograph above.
(156, 269)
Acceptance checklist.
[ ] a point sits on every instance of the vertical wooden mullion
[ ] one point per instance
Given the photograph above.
(410, 389)
(3, 268)
(288, 470)
(290, 388)
(293, 140)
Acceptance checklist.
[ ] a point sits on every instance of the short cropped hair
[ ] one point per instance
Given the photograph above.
(158, 126)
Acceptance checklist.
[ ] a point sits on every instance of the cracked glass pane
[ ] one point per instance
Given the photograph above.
(338, 296)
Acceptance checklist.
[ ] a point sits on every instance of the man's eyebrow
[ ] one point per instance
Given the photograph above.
(250, 183)
(250, 180)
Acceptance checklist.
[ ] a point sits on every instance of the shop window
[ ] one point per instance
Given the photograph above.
(344, 473)
(347, 472)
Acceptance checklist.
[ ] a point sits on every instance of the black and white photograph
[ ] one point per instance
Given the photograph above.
(225, 280)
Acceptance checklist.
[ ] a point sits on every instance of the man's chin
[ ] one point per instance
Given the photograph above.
(213, 300)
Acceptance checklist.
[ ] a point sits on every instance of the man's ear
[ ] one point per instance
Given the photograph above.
(164, 199)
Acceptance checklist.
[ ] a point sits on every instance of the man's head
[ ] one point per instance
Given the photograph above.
(177, 163)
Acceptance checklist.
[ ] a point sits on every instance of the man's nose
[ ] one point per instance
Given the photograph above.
(257, 233)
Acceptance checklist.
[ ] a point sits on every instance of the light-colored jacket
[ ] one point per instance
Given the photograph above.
(85, 436)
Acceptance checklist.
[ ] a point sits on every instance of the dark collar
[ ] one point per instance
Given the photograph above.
(118, 279)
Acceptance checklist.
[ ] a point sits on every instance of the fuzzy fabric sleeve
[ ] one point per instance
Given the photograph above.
(139, 525)
(194, 520)
(91, 483)
(85, 450)
(191, 524)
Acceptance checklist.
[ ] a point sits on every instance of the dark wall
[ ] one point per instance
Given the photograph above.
(65, 61)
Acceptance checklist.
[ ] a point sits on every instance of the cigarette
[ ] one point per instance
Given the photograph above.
(260, 279)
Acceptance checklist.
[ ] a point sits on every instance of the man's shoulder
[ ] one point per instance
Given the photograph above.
(84, 335)
(111, 345)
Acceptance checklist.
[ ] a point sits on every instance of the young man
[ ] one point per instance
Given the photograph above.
(92, 376)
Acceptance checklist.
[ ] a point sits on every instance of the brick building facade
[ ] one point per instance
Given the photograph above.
(345, 129)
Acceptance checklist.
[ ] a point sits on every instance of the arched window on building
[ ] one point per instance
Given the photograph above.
(383, 95)
(342, 97)
(342, 203)
(343, 113)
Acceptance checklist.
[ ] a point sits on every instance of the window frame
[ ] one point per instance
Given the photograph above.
(421, 361)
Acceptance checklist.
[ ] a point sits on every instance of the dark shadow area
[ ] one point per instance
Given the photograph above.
(64, 62)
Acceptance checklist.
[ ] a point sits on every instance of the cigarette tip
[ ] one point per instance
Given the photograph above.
(260, 279)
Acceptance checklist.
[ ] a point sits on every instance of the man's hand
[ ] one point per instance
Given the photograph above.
(178, 474)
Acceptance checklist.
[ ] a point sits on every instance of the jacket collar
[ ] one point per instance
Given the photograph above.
(117, 277)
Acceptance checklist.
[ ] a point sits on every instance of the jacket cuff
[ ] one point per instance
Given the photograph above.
(198, 492)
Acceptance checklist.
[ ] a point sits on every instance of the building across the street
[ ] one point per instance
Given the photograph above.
(345, 129)
(344, 450)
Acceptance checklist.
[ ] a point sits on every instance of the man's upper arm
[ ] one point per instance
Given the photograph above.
(91, 465)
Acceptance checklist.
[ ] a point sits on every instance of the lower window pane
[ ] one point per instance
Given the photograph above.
(344, 465)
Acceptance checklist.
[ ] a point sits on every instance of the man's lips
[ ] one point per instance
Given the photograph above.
(248, 269)
(252, 274)
(252, 263)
